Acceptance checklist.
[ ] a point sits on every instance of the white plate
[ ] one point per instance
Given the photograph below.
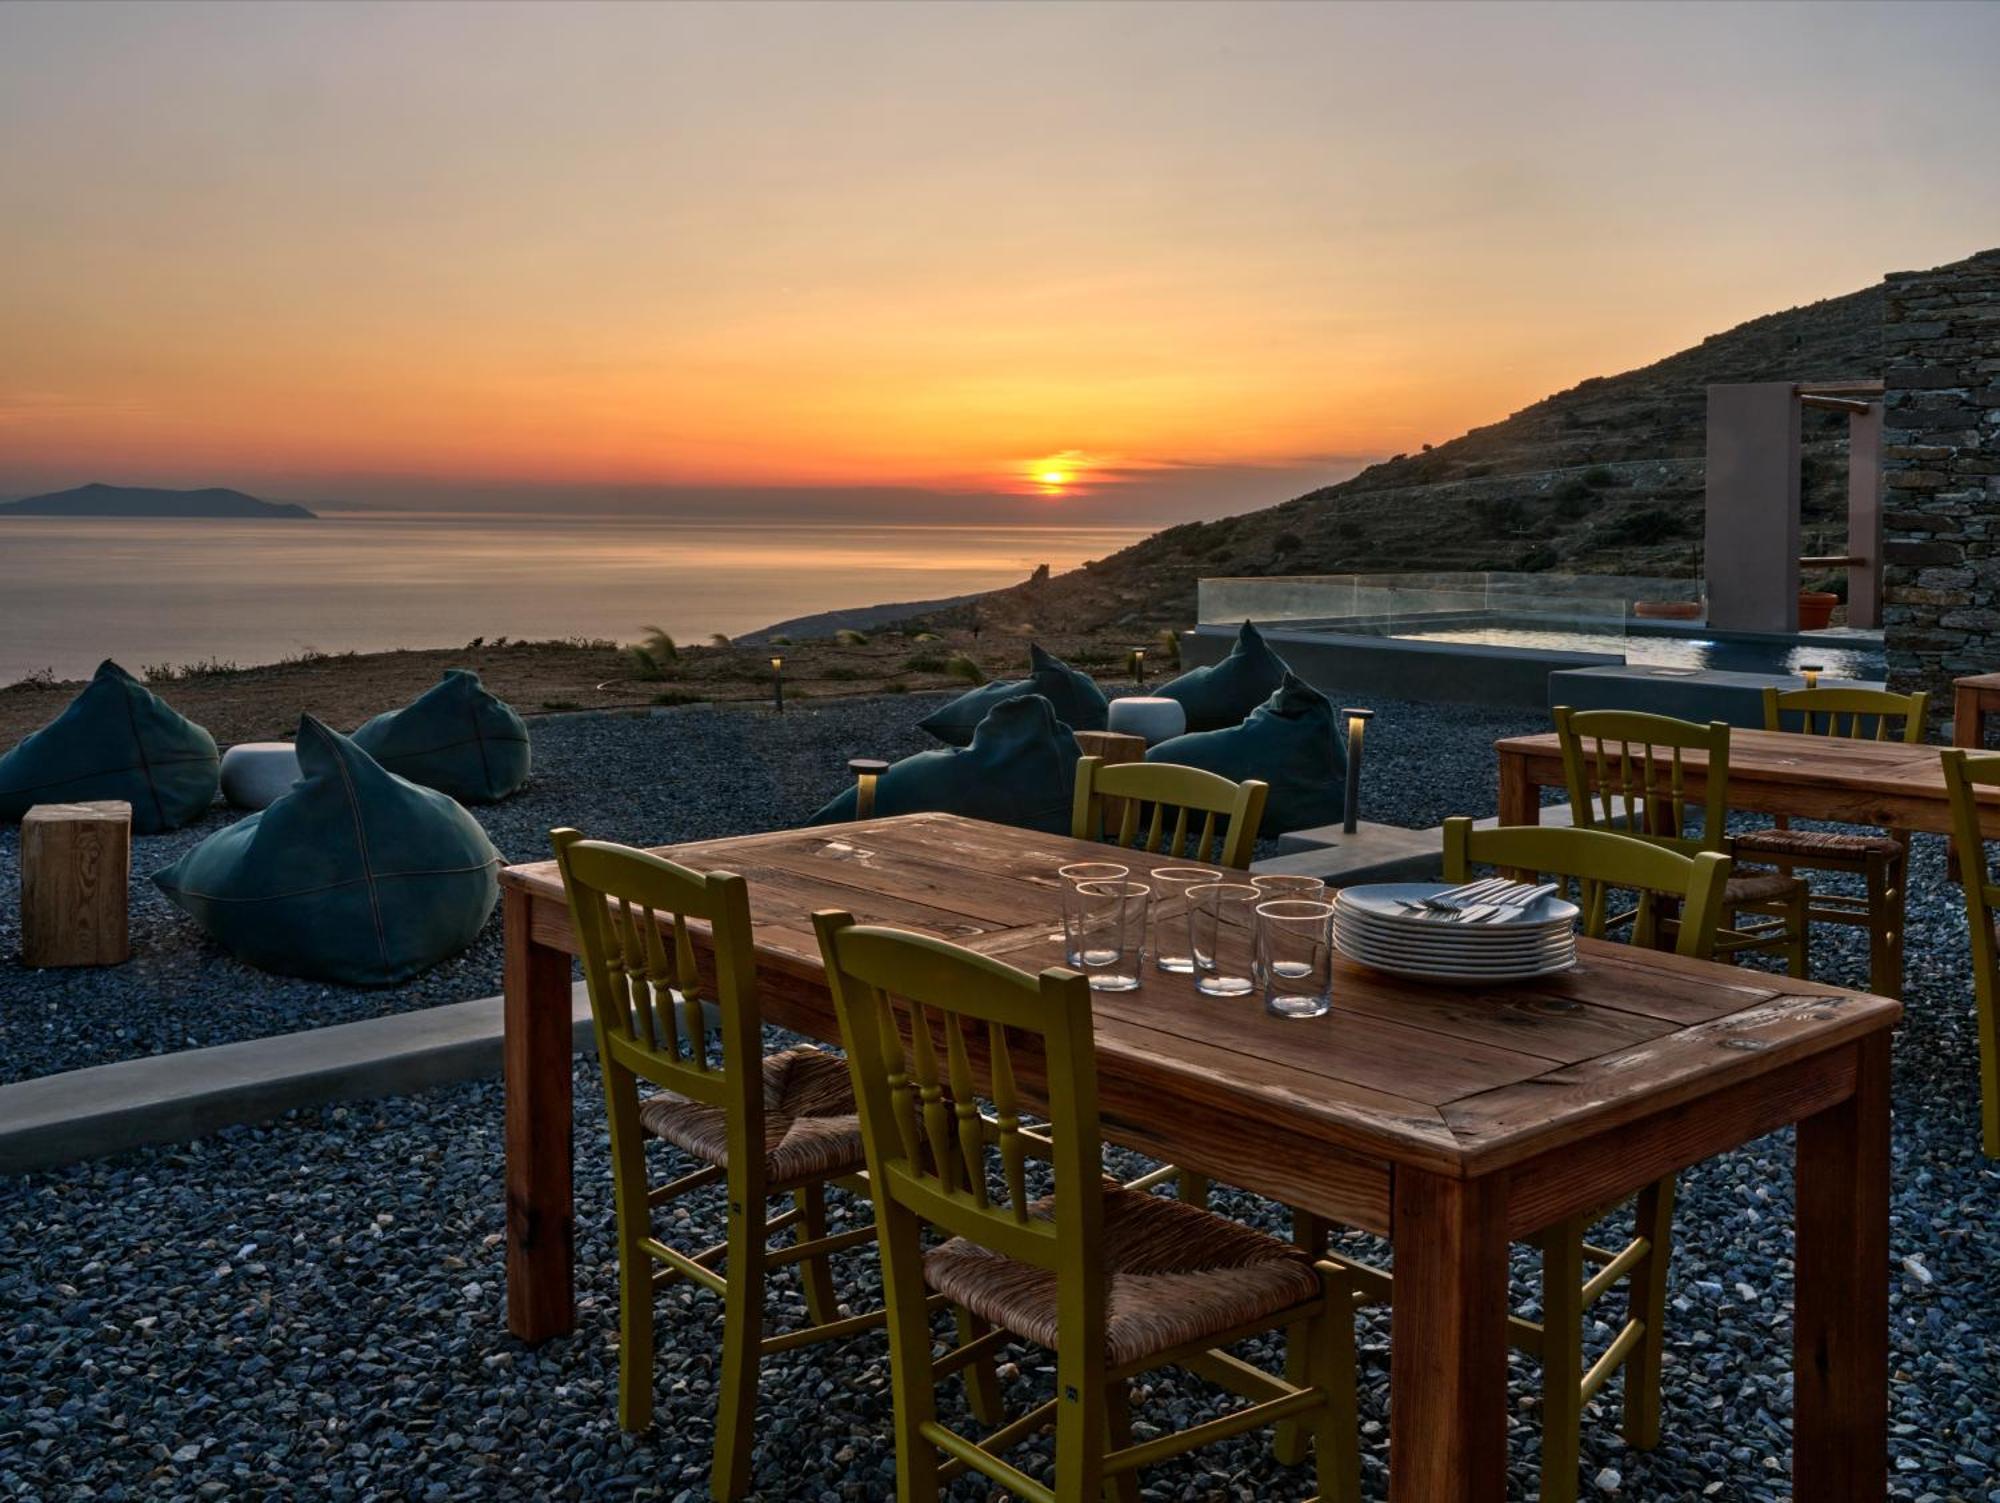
(1455, 936)
(1560, 945)
(1462, 978)
(1383, 901)
(1432, 958)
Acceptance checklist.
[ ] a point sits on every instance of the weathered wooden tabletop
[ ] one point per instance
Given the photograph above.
(1473, 1114)
(1888, 784)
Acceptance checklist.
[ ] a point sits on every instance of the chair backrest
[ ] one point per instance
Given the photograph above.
(1164, 806)
(1867, 712)
(1965, 773)
(646, 991)
(1625, 772)
(899, 996)
(1598, 860)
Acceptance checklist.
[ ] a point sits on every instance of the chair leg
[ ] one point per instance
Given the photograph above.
(1309, 1234)
(635, 1267)
(1122, 1487)
(1080, 1431)
(910, 1383)
(1885, 879)
(1336, 1427)
(1648, 1303)
(1192, 1188)
(1798, 924)
(742, 1333)
(1562, 1360)
(821, 1305)
(982, 1380)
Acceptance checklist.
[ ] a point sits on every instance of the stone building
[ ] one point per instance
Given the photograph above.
(1941, 474)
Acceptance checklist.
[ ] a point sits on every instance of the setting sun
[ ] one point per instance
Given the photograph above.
(1053, 477)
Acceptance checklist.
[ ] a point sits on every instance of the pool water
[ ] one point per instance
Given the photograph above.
(1839, 657)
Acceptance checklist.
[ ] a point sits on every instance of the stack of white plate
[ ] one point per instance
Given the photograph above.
(1379, 926)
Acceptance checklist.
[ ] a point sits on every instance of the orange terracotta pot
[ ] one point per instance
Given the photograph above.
(1667, 610)
(1816, 609)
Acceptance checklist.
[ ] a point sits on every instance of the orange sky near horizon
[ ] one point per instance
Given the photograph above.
(398, 252)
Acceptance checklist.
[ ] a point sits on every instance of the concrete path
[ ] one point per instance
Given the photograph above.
(169, 1098)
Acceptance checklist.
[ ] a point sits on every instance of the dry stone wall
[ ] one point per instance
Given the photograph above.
(1941, 474)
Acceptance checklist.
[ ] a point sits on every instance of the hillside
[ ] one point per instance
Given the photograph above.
(100, 500)
(1605, 477)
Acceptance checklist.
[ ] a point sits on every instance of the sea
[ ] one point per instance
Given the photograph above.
(189, 590)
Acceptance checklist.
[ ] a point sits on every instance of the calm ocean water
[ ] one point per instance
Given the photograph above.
(176, 591)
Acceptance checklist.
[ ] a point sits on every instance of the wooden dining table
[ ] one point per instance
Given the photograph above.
(1452, 1120)
(1891, 785)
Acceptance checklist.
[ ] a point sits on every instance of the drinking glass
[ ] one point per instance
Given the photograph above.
(1275, 886)
(1222, 937)
(1171, 885)
(1295, 950)
(1072, 876)
(1105, 928)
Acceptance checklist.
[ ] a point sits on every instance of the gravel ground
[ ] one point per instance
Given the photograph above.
(315, 1309)
(652, 780)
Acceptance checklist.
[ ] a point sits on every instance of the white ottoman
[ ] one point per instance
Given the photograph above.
(1148, 716)
(257, 774)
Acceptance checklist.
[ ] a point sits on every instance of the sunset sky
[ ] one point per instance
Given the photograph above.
(1100, 262)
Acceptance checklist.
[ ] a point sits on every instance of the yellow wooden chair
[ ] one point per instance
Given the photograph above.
(1160, 807)
(1964, 775)
(1116, 1282)
(1696, 884)
(760, 1125)
(1615, 784)
(1881, 860)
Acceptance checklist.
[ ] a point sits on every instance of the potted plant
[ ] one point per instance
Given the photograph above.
(1675, 610)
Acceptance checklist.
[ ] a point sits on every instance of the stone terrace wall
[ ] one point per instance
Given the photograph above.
(1941, 473)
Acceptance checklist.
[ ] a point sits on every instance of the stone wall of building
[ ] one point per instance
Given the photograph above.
(1941, 474)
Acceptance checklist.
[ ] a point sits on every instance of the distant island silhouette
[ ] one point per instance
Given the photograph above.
(100, 500)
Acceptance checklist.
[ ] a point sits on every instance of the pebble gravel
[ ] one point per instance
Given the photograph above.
(315, 1308)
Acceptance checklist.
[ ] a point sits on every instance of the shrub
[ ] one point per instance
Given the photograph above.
(718, 639)
(959, 666)
(1538, 558)
(1599, 477)
(847, 636)
(895, 686)
(925, 662)
(1642, 528)
(1351, 530)
(1574, 499)
(561, 704)
(1287, 542)
(1501, 515)
(670, 697)
(840, 673)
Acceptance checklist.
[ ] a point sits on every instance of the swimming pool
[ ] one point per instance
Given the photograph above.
(1838, 655)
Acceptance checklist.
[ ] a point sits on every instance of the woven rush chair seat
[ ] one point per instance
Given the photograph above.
(812, 1129)
(1805, 844)
(1759, 887)
(1176, 1274)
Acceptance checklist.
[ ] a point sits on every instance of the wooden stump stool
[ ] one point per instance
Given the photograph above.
(76, 865)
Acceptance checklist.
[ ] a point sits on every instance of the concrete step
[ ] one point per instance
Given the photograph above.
(169, 1098)
(1373, 853)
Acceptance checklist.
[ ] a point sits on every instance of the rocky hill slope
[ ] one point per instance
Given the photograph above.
(1603, 478)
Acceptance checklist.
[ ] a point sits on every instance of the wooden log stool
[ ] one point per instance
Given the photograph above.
(76, 868)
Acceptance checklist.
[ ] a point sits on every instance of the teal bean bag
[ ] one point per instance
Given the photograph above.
(1078, 702)
(116, 740)
(356, 876)
(1292, 742)
(1019, 770)
(1223, 693)
(456, 738)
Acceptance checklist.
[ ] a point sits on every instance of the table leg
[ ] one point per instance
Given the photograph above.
(1840, 1358)
(1520, 800)
(1448, 1341)
(541, 1230)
